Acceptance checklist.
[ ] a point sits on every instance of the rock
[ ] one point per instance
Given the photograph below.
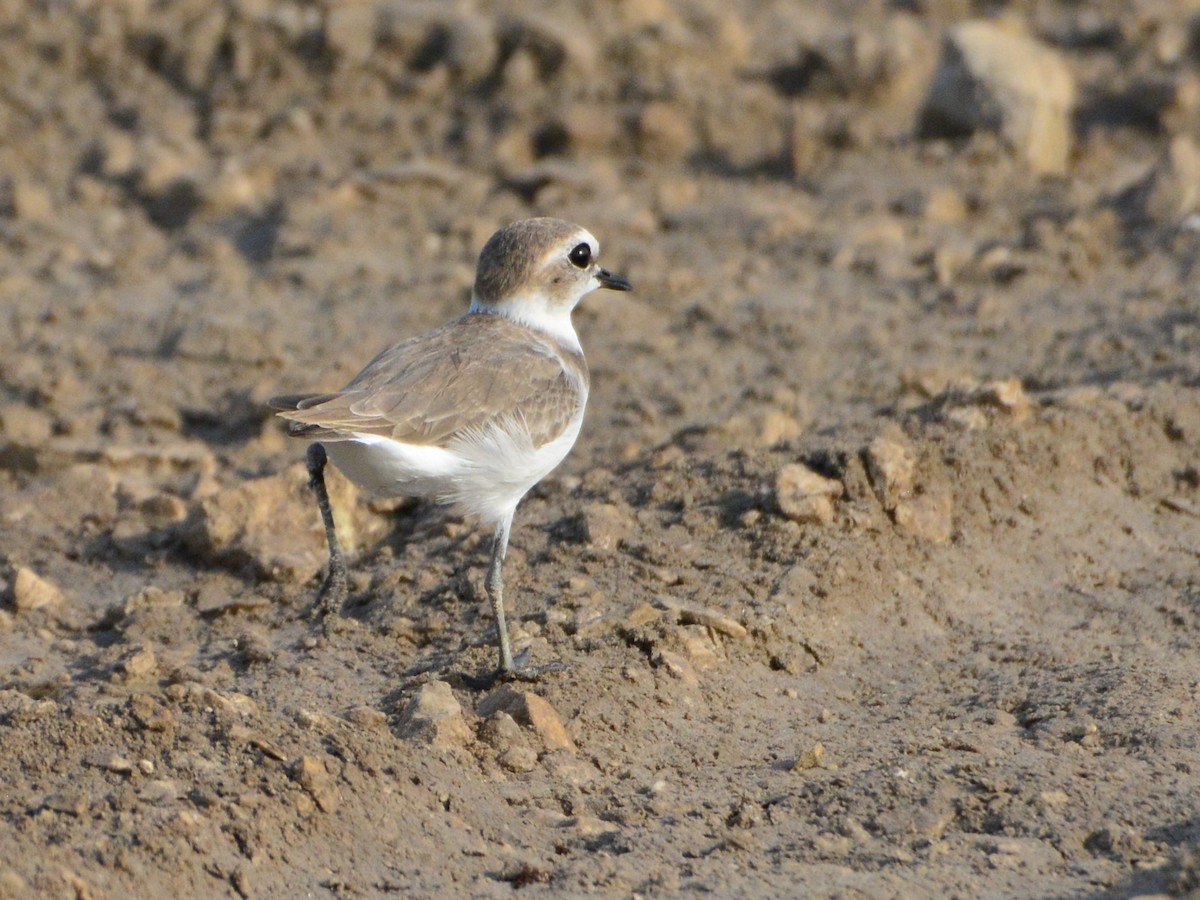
(350, 30)
(530, 711)
(30, 591)
(634, 14)
(552, 45)
(273, 525)
(810, 758)
(1008, 396)
(697, 645)
(665, 132)
(992, 78)
(606, 525)
(23, 429)
(929, 516)
(587, 130)
(112, 762)
(678, 667)
(469, 48)
(237, 189)
(776, 426)
(944, 205)
(891, 467)
(804, 495)
(744, 127)
(641, 615)
(518, 759)
(32, 202)
(159, 791)
(161, 508)
(1171, 191)
(501, 731)
(230, 704)
(72, 803)
(692, 614)
(434, 717)
(139, 663)
(225, 340)
(976, 406)
(367, 717)
(13, 885)
(150, 714)
(313, 776)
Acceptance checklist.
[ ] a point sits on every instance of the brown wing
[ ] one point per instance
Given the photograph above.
(431, 388)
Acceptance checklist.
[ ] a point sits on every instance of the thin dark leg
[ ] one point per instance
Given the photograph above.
(333, 591)
(494, 584)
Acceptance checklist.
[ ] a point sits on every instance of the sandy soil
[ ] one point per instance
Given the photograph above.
(875, 566)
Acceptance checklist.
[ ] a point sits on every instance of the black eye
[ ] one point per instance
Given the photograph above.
(580, 256)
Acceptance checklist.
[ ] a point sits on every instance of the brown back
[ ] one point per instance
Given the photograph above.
(469, 373)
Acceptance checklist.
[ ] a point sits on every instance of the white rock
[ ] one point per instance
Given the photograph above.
(990, 77)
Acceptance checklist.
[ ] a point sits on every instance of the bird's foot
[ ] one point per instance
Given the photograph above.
(330, 598)
(515, 673)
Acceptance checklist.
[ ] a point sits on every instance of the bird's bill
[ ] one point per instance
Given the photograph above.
(613, 281)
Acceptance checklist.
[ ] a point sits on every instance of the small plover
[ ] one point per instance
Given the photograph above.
(474, 413)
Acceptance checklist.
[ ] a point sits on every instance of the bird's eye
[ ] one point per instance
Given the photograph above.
(580, 256)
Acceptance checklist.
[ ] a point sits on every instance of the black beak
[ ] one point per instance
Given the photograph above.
(613, 281)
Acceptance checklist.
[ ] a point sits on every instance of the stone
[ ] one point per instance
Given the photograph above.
(693, 614)
(150, 714)
(140, 662)
(677, 667)
(32, 202)
(272, 524)
(1171, 191)
(112, 762)
(929, 516)
(518, 759)
(230, 704)
(1009, 397)
(313, 776)
(945, 205)
(225, 339)
(30, 591)
(366, 717)
(606, 525)
(553, 45)
(23, 429)
(350, 30)
(470, 48)
(993, 78)
(434, 717)
(891, 466)
(665, 132)
(698, 646)
(806, 496)
(529, 711)
(776, 427)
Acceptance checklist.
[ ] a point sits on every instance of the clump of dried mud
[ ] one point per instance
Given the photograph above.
(875, 567)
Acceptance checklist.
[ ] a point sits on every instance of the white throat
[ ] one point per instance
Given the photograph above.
(534, 311)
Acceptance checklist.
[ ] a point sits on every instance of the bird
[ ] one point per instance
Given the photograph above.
(473, 413)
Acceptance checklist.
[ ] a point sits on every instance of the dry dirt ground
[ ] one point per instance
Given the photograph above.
(875, 567)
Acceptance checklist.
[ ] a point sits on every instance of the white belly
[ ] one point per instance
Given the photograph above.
(484, 473)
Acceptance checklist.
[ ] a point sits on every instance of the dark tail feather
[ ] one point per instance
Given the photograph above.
(292, 402)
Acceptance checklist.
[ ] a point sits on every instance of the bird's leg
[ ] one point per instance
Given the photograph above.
(494, 584)
(333, 591)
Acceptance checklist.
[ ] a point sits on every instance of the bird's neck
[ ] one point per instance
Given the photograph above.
(535, 312)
